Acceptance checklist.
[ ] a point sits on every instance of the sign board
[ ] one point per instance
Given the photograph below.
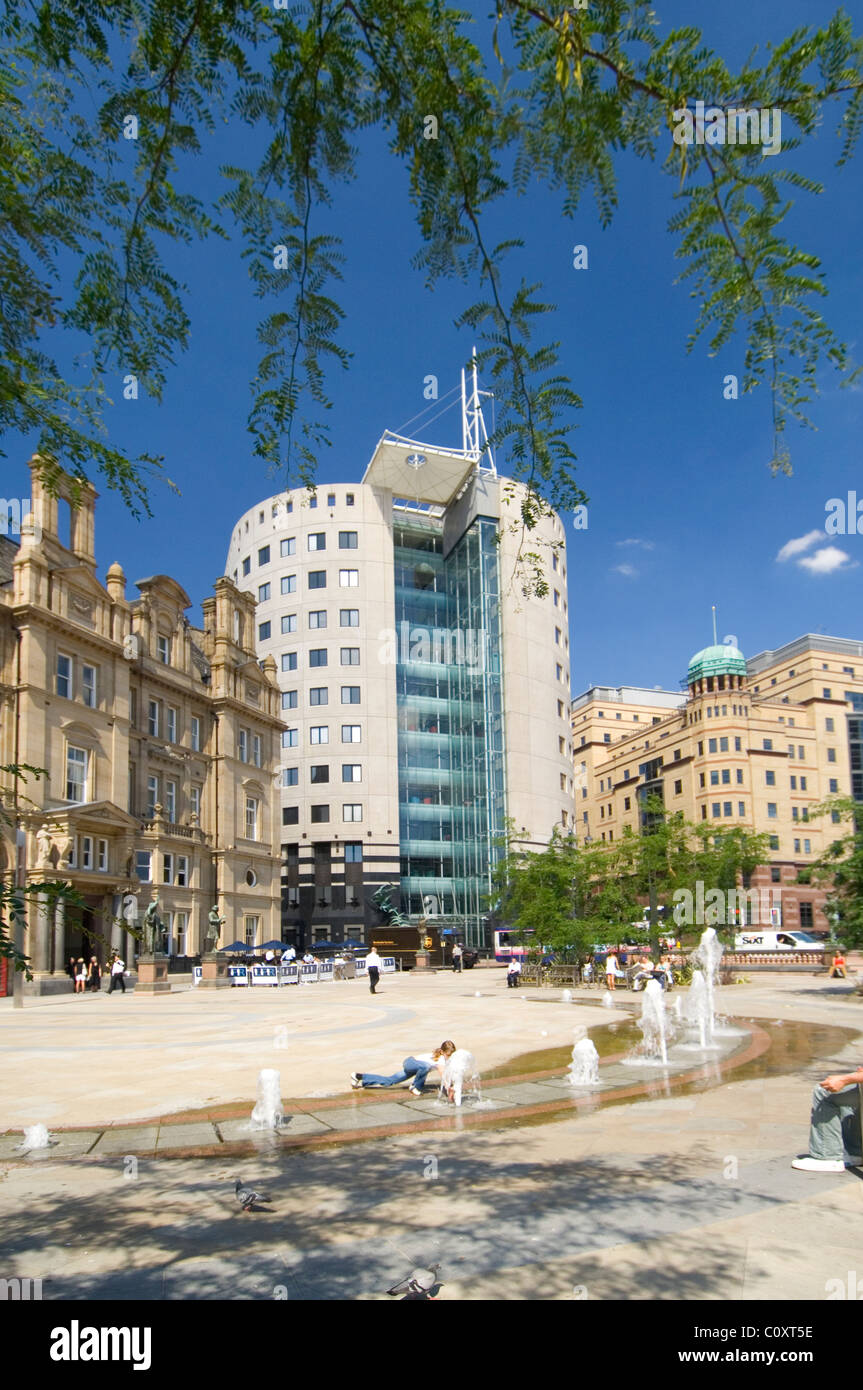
(326, 969)
(289, 974)
(264, 975)
(238, 974)
(388, 964)
(196, 974)
(308, 974)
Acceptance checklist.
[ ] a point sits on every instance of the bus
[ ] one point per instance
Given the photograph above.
(507, 946)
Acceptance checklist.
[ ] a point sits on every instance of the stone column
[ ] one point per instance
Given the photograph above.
(39, 943)
(60, 937)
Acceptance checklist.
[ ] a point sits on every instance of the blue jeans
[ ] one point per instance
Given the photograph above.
(410, 1068)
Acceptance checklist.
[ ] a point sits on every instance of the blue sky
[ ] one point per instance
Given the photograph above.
(683, 510)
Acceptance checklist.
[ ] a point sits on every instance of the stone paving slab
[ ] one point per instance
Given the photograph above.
(126, 1141)
(186, 1137)
(236, 1131)
(364, 1116)
(64, 1144)
(520, 1093)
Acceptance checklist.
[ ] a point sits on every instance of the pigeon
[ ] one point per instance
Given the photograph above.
(247, 1196)
(418, 1284)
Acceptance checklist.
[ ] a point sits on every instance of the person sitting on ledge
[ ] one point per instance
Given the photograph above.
(835, 1116)
(837, 969)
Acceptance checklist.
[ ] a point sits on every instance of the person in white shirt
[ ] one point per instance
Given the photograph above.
(118, 968)
(513, 971)
(373, 966)
(612, 969)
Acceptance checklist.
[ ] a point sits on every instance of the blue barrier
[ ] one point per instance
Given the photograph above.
(238, 974)
(264, 975)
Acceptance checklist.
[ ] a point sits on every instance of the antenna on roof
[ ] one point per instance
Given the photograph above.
(474, 435)
(714, 624)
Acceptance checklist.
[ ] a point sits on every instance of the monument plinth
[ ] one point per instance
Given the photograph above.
(214, 971)
(153, 974)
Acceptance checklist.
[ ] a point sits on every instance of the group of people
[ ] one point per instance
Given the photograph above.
(87, 975)
(415, 1070)
(614, 965)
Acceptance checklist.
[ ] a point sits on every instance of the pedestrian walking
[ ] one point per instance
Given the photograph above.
(373, 966)
(612, 969)
(457, 953)
(118, 968)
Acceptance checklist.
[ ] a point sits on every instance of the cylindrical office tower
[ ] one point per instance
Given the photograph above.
(426, 694)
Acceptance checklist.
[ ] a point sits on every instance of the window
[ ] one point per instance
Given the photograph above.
(711, 745)
(352, 811)
(264, 631)
(167, 868)
(701, 779)
(319, 772)
(290, 815)
(350, 694)
(195, 733)
(715, 809)
(153, 718)
(770, 779)
(288, 546)
(86, 852)
(264, 555)
(775, 874)
(803, 784)
(349, 499)
(558, 675)
(348, 540)
(247, 565)
(833, 784)
(317, 540)
(723, 745)
(88, 686)
(263, 593)
(726, 776)
(795, 812)
(737, 745)
(163, 650)
(143, 865)
(290, 738)
(320, 733)
(800, 753)
(331, 499)
(678, 788)
(557, 636)
(796, 846)
(243, 745)
(352, 772)
(349, 656)
(319, 695)
(171, 801)
(828, 726)
(318, 617)
(317, 579)
(289, 699)
(739, 776)
(64, 676)
(77, 766)
(289, 661)
(771, 810)
(774, 841)
(741, 808)
(319, 815)
(806, 916)
(726, 808)
(251, 925)
(318, 656)
(807, 847)
(826, 693)
(767, 745)
(351, 733)
(256, 750)
(349, 617)
(349, 579)
(195, 801)
(714, 778)
(289, 622)
(289, 584)
(794, 784)
(791, 750)
(152, 796)
(171, 724)
(831, 755)
(353, 851)
(252, 808)
(290, 776)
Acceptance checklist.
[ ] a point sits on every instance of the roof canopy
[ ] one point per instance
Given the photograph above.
(419, 471)
(724, 660)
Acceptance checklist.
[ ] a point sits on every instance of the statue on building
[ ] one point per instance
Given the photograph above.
(44, 845)
(214, 930)
(153, 929)
(382, 900)
(64, 848)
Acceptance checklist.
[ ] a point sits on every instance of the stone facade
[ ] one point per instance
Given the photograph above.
(160, 743)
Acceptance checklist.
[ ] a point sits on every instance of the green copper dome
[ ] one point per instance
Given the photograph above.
(716, 661)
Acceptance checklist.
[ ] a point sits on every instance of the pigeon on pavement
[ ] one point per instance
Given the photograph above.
(247, 1196)
(418, 1284)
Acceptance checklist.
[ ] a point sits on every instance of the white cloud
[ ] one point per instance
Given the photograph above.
(827, 560)
(634, 540)
(628, 571)
(801, 543)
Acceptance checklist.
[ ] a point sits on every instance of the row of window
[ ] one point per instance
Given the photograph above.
(249, 747)
(316, 540)
(353, 851)
(320, 814)
(318, 656)
(319, 695)
(164, 793)
(320, 733)
(348, 617)
(163, 722)
(175, 868)
(317, 579)
(320, 772)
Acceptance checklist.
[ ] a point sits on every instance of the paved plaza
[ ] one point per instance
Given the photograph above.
(538, 1194)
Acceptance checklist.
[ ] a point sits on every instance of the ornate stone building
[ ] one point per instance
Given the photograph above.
(159, 740)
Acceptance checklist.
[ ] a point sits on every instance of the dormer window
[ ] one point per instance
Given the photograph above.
(163, 649)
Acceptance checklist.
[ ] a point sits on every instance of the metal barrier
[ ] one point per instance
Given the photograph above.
(289, 974)
(196, 974)
(264, 975)
(238, 974)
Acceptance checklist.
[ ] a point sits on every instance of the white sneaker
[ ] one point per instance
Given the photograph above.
(356, 1080)
(414, 1091)
(819, 1165)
